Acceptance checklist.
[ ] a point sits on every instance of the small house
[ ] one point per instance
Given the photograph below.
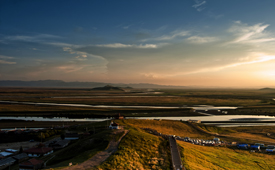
(6, 154)
(11, 150)
(21, 157)
(216, 140)
(71, 136)
(59, 144)
(32, 164)
(6, 162)
(119, 116)
(38, 151)
(114, 125)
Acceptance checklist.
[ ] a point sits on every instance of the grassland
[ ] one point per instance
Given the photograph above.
(139, 149)
(197, 157)
(256, 102)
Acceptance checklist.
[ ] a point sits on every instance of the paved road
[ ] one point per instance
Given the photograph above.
(176, 160)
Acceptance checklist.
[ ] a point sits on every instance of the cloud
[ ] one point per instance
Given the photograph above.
(6, 62)
(3, 60)
(126, 27)
(83, 55)
(60, 44)
(6, 57)
(256, 58)
(250, 34)
(119, 45)
(151, 75)
(201, 40)
(198, 6)
(35, 38)
(171, 36)
(69, 68)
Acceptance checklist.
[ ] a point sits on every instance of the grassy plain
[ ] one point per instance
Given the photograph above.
(252, 101)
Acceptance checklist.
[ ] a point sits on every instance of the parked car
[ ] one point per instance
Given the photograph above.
(270, 148)
(261, 145)
(242, 146)
(255, 147)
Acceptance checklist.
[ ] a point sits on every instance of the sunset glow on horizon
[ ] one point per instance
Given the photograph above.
(184, 43)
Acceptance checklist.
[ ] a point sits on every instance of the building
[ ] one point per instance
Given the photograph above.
(6, 162)
(5, 154)
(71, 136)
(119, 116)
(32, 164)
(21, 157)
(59, 144)
(38, 151)
(216, 140)
(114, 125)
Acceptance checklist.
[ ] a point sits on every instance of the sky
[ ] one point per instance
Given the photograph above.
(205, 43)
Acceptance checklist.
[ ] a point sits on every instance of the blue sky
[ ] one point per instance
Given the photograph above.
(225, 43)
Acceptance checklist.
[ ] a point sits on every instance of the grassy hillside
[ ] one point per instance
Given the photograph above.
(194, 156)
(205, 158)
(139, 150)
(168, 127)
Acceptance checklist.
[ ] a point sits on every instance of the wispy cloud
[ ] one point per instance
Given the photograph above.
(35, 38)
(69, 68)
(259, 59)
(3, 60)
(79, 55)
(201, 40)
(6, 62)
(171, 36)
(119, 45)
(250, 34)
(199, 5)
(5, 57)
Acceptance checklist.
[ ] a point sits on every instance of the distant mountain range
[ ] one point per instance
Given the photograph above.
(63, 84)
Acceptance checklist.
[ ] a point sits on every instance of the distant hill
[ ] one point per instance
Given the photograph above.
(76, 84)
(108, 87)
(267, 89)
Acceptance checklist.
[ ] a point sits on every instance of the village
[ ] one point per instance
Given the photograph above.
(30, 156)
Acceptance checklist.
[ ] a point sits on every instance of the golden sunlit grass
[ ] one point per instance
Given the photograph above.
(205, 157)
(250, 133)
(197, 157)
(167, 127)
(139, 150)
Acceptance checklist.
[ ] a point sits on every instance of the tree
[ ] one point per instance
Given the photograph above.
(21, 149)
